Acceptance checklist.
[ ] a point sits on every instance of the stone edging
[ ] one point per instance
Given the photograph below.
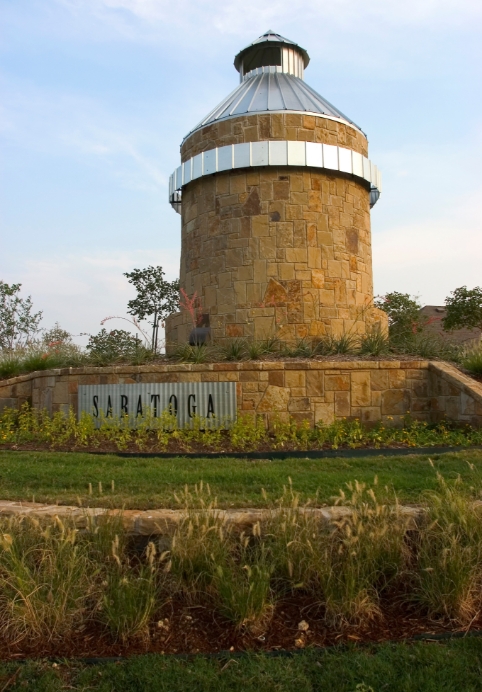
(163, 522)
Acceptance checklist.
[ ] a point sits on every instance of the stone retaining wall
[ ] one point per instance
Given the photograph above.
(307, 390)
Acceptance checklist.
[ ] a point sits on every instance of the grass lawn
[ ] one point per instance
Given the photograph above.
(144, 483)
(423, 667)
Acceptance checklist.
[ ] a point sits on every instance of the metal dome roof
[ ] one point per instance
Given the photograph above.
(274, 39)
(272, 82)
(270, 92)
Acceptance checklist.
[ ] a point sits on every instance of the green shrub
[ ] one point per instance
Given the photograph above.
(114, 346)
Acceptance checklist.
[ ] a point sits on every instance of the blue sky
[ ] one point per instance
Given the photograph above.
(98, 94)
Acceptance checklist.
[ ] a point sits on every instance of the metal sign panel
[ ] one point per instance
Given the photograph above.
(213, 402)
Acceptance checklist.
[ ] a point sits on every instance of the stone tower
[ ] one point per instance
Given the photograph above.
(275, 189)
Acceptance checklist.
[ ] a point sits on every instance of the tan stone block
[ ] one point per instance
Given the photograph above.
(325, 413)
(314, 257)
(342, 404)
(264, 327)
(337, 383)
(274, 399)
(267, 247)
(379, 380)
(360, 389)
(237, 183)
(286, 272)
(276, 378)
(260, 225)
(295, 378)
(318, 278)
(281, 189)
(395, 402)
(396, 379)
(296, 254)
(260, 271)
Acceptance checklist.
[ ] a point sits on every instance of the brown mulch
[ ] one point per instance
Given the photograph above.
(184, 629)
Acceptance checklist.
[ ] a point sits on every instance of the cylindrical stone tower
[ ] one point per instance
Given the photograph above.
(275, 190)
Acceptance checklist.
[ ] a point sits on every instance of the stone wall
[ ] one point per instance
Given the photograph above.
(277, 252)
(274, 126)
(307, 390)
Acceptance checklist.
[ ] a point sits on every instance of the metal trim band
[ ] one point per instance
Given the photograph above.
(274, 153)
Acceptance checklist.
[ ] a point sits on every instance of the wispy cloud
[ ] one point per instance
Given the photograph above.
(79, 291)
(233, 17)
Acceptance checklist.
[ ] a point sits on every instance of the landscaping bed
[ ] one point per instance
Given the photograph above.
(292, 581)
(33, 429)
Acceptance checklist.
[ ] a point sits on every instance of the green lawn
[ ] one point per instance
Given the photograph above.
(150, 482)
(423, 667)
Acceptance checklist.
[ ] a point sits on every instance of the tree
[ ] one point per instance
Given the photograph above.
(18, 322)
(156, 297)
(117, 345)
(403, 313)
(464, 309)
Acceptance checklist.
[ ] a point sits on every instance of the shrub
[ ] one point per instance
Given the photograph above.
(464, 309)
(403, 312)
(116, 345)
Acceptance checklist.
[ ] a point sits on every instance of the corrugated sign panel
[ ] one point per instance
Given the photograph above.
(214, 402)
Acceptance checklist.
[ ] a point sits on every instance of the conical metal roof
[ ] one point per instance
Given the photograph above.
(272, 83)
(274, 39)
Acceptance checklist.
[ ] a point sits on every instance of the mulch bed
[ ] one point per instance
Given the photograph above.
(184, 629)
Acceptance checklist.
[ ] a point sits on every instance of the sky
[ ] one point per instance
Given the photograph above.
(97, 95)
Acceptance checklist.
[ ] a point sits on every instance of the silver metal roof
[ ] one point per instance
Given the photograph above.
(268, 91)
(271, 38)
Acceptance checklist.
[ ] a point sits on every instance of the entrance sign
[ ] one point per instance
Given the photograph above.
(213, 402)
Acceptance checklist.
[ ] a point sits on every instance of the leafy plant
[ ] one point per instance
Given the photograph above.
(156, 297)
(403, 312)
(18, 322)
(110, 347)
(464, 309)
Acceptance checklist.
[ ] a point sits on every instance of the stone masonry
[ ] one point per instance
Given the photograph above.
(306, 390)
(277, 251)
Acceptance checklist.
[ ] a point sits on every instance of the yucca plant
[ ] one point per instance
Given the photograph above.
(233, 350)
(374, 342)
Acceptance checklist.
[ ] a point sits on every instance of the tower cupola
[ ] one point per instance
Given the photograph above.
(271, 53)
